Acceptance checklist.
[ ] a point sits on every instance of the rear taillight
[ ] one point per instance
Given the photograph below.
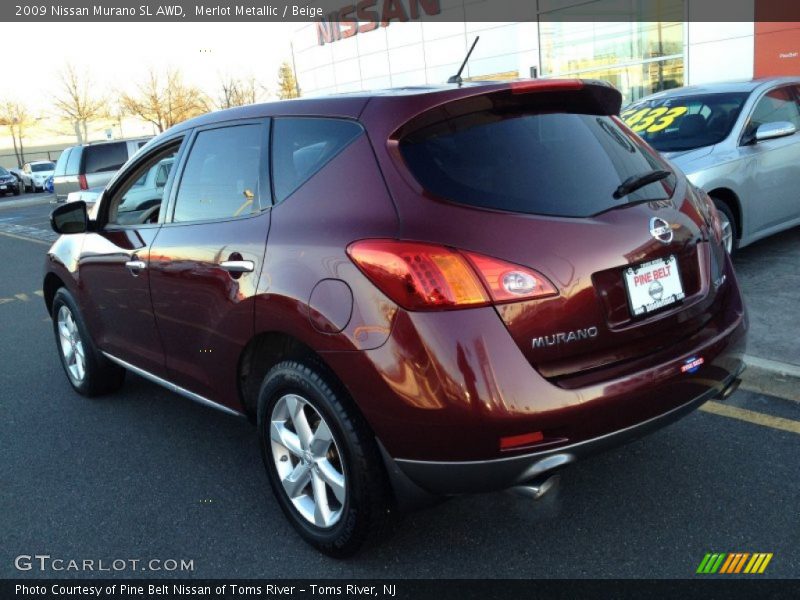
(82, 182)
(420, 276)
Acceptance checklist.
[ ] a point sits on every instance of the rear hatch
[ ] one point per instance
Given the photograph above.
(532, 175)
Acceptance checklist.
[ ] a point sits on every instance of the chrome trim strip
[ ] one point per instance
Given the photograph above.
(173, 387)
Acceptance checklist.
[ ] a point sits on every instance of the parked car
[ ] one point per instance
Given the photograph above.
(413, 293)
(739, 142)
(17, 173)
(35, 174)
(91, 165)
(9, 184)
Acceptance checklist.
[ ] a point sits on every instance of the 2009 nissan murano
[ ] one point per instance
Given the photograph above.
(413, 293)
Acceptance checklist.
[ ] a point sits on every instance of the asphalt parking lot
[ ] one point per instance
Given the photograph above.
(145, 474)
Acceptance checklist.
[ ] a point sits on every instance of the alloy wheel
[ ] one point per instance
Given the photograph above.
(71, 345)
(727, 232)
(308, 461)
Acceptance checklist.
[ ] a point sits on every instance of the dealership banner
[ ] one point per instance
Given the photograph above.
(375, 13)
(397, 589)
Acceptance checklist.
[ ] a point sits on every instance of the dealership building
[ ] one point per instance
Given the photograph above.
(654, 45)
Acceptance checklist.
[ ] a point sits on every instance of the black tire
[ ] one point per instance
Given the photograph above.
(101, 376)
(365, 511)
(726, 213)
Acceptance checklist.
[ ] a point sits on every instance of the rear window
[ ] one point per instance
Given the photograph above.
(558, 164)
(105, 157)
(74, 161)
(61, 163)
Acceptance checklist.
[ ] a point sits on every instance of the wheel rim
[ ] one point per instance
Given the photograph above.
(71, 345)
(727, 231)
(308, 461)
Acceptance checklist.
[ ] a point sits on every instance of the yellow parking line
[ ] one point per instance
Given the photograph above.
(23, 297)
(39, 293)
(750, 416)
(19, 237)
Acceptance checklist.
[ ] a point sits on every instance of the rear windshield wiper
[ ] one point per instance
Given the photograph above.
(634, 182)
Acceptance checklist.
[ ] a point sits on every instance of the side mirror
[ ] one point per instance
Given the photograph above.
(770, 131)
(70, 218)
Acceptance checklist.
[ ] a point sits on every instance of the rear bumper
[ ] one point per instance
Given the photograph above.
(414, 477)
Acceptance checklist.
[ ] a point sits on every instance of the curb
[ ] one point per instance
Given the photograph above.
(772, 377)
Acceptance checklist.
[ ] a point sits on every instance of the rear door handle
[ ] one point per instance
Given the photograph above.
(238, 266)
(134, 266)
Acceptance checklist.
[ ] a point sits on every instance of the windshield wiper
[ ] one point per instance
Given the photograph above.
(634, 182)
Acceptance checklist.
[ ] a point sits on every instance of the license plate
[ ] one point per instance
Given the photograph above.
(653, 285)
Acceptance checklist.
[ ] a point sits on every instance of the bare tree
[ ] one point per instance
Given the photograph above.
(164, 100)
(77, 104)
(239, 92)
(287, 82)
(15, 116)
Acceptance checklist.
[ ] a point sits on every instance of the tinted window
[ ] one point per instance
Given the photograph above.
(139, 199)
(74, 160)
(685, 122)
(301, 147)
(61, 163)
(548, 164)
(777, 105)
(221, 175)
(105, 157)
(38, 168)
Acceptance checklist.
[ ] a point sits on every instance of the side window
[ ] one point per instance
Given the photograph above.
(777, 105)
(302, 146)
(105, 157)
(221, 176)
(139, 199)
(74, 160)
(61, 163)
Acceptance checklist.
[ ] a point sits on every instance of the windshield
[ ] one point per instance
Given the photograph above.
(560, 164)
(39, 167)
(685, 122)
(4, 172)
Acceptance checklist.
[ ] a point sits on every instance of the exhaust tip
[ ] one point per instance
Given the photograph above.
(535, 488)
(726, 393)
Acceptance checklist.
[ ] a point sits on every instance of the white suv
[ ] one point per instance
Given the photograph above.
(35, 174)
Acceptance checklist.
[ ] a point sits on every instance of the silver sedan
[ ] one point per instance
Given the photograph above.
(739, 141)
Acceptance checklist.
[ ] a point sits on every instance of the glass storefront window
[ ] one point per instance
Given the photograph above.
(640, 80)
(637, 55)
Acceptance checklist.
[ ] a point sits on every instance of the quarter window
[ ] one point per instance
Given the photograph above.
(302, 146)
(221, 176)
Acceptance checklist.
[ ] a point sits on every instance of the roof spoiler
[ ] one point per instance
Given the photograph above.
(584, 96)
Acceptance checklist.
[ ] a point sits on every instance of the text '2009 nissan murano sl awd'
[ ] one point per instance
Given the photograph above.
(413, 293)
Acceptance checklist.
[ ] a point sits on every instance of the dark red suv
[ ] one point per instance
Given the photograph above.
(414, 293)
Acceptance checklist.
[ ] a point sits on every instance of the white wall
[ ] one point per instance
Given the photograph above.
(718, 52)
